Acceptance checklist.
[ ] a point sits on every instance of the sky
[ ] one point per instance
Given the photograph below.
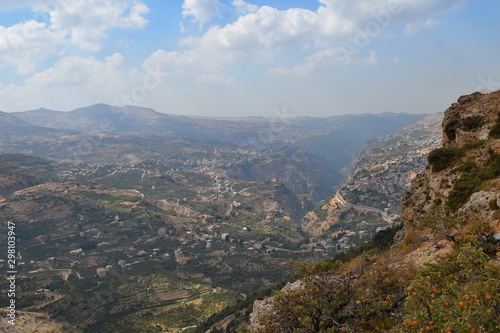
(248, 58)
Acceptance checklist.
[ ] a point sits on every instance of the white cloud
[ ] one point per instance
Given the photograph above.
(71, 82)
(321, 59)
(334, 22)
(268, 28)
(336, 56)
(25, 44)
(267, 31)
(189, 62)
(414, 27)
(202, 10)
(244, 7)
(88, 20)
(213, 79)
(262, 33)
(56, 24)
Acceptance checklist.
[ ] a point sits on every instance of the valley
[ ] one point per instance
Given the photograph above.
(134, 230)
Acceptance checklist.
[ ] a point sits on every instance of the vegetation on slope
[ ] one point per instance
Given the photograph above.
(457, 293)
(472, 179)
(495, 130)
(443, 158)
(460, 292)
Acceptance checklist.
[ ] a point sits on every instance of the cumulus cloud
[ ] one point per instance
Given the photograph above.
(202, 11)
(72, 81)
(265, 31)
(259, 33)
(24, 44)
(56, 24)
(244, 7)
(88, 20)
(331, 57)
(332, 23)
(321, 59)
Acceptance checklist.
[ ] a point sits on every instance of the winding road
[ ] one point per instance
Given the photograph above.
(386, 217)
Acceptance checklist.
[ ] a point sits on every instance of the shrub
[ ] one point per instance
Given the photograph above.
(465, 186)
(468, 166)
(472, 122)
(451, 127)
(493, 204)
(458, 293)
(321, 213)
(495, 131)
(443, 158)
(359, 301)
(471, 182)
(475, 144)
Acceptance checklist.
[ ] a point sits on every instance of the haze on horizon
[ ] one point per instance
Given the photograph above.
(247, 58)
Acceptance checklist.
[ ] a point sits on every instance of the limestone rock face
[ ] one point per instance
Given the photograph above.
(259, 308)
(466, 124)
(266, 306)
(479, 205)
(457, 132)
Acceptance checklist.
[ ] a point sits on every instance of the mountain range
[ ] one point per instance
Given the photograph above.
(306, 153)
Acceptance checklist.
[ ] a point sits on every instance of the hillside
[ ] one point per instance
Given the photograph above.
(386, 166)
(381, 174)
(11, 126)
(461, 179)
(306, 154)
(442, 272)
(168, 240)
(19, 171)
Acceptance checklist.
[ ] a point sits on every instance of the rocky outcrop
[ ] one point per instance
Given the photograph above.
(480, 205)
(265, 306)
(470, 119)
(466, 126)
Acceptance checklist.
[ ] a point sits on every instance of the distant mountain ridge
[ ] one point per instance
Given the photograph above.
(145, 121)
(12, 126)
(105, 118)
(305, 153)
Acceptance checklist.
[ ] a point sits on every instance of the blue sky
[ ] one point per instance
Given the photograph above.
(240, 58)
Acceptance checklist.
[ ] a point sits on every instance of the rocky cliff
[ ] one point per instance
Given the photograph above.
(461, 181)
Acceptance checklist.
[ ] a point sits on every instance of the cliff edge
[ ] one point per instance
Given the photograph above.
(461, 180)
